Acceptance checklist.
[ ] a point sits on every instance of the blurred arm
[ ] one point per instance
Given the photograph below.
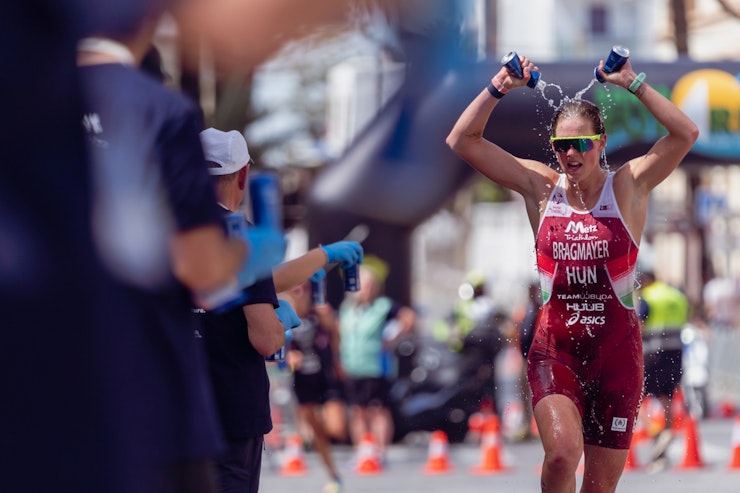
(292, 273)
(406, 318)
(204, 259)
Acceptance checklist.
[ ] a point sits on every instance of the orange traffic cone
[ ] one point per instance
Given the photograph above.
(725, 409)
(475, 425)
(438, 457)
(478, 419)
(735, 461)
(678, 409)
(632, 463)
(368, 458)
(692, 458)
(274, 438)
(639, 434)
(490, 449)
(641, 431)
(533, 429)
(654, 415)
(294, 463)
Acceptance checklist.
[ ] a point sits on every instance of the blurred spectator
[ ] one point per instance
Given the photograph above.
(238, 340)
(49, 260)
(665, 311)
(371, 325)
(473, 308)
(140, 136)
(294, 273)
(158, 229)
(64, 323)
(475, 329)
(312, 353)
(721, 298)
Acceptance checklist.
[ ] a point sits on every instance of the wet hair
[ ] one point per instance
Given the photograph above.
(578, 108)
(581, 108)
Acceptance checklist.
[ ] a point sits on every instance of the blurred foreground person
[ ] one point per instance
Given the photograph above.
(150, 178)
(157, 226)
(371, 324)
(62, 318)
(60, 363)
(585, 362)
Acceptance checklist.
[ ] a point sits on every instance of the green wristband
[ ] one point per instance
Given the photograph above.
(637, 82)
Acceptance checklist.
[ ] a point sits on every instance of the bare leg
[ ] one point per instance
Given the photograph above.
(335, 419)
(304, 428)
(603, 468)
(667, 404)
(664, 438)
(321, 440)
(358, 423)
(381, 424)
(559, 424)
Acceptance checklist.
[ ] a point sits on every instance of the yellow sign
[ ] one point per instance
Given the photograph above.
(711, 98)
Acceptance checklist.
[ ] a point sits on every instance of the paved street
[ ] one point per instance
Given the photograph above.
(405, 470)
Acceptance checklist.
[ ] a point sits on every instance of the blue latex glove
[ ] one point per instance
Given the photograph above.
(346, 252)
(318, 275)
(287, 317)
(267, 249)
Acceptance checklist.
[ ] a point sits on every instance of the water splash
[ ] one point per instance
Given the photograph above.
(583, 91)
(542, 86)
(579, 194)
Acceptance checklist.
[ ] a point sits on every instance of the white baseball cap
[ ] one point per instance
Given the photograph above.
(227, 149)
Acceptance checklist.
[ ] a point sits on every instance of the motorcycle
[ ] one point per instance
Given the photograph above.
(444, 387)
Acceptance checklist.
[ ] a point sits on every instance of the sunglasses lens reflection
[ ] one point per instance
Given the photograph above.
(580, 145)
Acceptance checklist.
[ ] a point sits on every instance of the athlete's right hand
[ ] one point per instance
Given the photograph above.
(507, 80)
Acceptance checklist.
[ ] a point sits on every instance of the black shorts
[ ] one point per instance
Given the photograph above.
(316, 388)
(663, 372)
(367, 392)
